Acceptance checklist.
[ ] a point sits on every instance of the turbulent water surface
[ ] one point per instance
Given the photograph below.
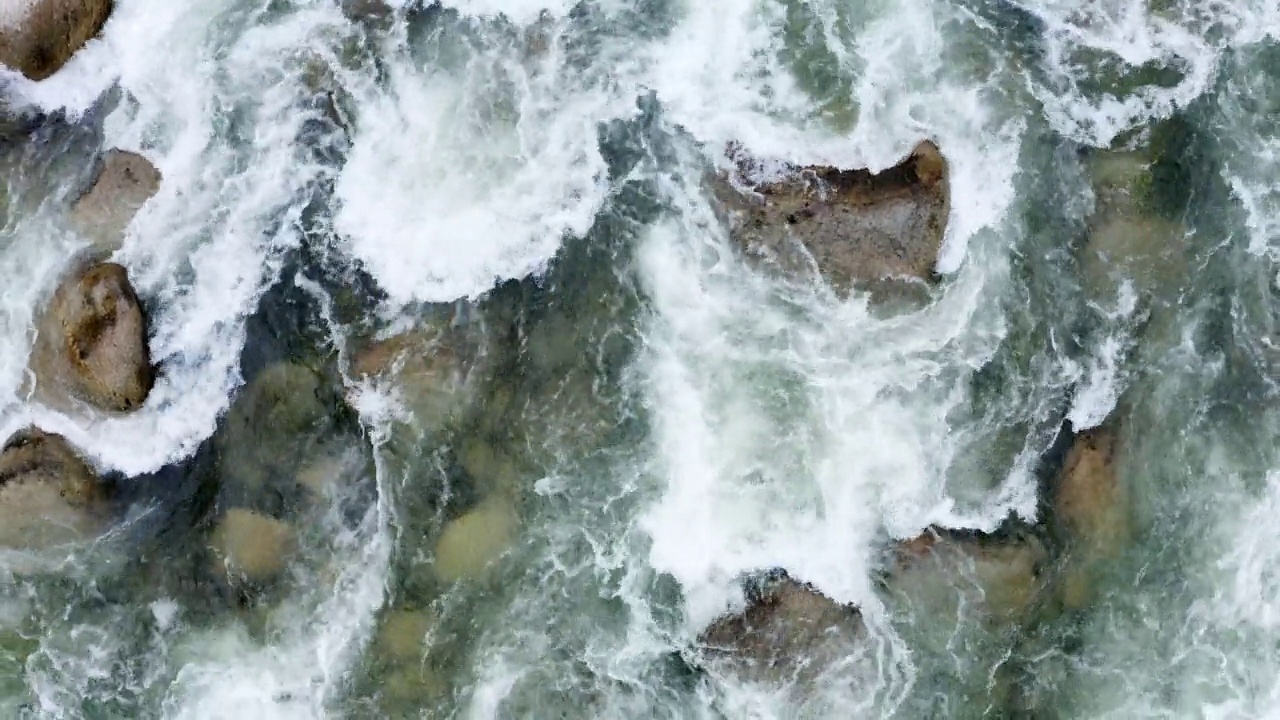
(636, 417)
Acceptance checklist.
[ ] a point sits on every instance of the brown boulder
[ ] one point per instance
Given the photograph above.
(124, 184)
(48, 494)
(1091, 510)
(789, 629)
(38, 39)
(998, 576)
(854, 227)
(91, 342)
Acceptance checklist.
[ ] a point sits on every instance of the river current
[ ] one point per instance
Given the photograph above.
(646, 417)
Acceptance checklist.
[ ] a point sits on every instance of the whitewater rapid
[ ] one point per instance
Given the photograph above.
(482, 142)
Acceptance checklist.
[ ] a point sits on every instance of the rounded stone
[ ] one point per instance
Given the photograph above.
(48, 494)
(91, 343)
(38, 37)
(251, 548)
(471, 544)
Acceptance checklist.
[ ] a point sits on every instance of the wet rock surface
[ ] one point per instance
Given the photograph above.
(48, 494)
(125, 182)
(854, 227)
(470, 545)
(1091, 511)
(999, 576)
(250, 549)
(787, 629)
(39, 40)
(91, 343)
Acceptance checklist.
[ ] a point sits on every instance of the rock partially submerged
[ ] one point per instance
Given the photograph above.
(251, 549)
(854, 227)
(124, 184)
(48, 494)
(998, 576)
(38, 37)
(1128, 240)
(788, 630)
(1091, 511)
(430, 367)
(91, 343)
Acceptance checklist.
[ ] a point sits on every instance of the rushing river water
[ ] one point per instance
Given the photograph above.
(645, 417)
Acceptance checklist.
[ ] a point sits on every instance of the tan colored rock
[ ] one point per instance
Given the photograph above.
(430, 366)
(38, 39)
(91, 343)
(401, 636)
(940, 570)
(1092, 510)
(470, 545)
(251, 548)
(854, 227)
(788, 628)
(124, 184)
(48, 494)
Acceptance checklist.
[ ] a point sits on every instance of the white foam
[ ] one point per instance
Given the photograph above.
(13, 12)
(458, 180)
(1103, 373)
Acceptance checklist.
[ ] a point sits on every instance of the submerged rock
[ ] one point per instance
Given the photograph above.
(38, 37)
(273, 428)
(787, 629)
(941, 571)
(48, 493)
(124, 184)
(91, 343)
(1128, 240)
(1090, 510)
(854, 227)
(251, 549)
(430, 366)
(471, 544)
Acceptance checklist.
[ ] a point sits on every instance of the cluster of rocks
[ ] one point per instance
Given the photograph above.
(858, 231)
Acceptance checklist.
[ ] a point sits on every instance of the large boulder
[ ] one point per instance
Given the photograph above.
(48, 494)
(125, 182)
(37, 37)
(91, 343)
(789, 631)
(997, 577)
(1091, 511)
(854, 227)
